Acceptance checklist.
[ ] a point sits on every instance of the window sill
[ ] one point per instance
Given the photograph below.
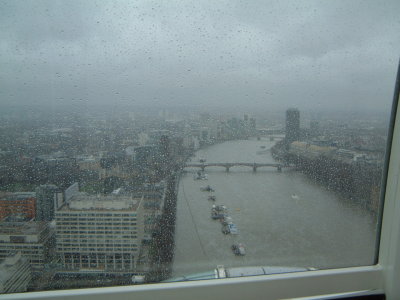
(346, 281)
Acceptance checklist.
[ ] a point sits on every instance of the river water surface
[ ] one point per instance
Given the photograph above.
(284, 218)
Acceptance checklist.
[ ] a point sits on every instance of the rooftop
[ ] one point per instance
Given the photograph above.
(16, 196)
(83, 201)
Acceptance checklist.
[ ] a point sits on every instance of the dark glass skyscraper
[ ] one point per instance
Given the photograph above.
(46, 202)
(292, 125)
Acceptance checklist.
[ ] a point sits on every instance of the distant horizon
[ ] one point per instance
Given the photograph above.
(216, 109)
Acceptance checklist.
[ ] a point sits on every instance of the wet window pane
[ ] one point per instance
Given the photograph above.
(155, 141)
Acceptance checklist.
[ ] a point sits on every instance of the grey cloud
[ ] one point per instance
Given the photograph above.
(235, 53)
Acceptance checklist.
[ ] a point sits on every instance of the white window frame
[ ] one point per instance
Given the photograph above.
(381, 278)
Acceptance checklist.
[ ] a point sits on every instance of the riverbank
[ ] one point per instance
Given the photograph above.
(162, 246)
(358, 182)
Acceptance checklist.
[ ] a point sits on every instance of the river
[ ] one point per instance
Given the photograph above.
(284, 218)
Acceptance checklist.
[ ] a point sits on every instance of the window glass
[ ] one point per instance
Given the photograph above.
(155, 141)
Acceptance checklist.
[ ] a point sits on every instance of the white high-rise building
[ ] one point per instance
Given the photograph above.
(100, 233)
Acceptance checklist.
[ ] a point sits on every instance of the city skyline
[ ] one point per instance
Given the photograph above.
(86, 178)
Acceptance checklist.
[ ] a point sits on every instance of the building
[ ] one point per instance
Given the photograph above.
(252, 124)
(310, 151)
(17, 206)
(292, 125)
(56, 168)
(164, 155)
(90, 163)
(153, 207)
(35, 241)
(164, 145)
(48, 198)
(89, 167)
(142, 157)
(100, 233)
(314, 128)
(15, 274)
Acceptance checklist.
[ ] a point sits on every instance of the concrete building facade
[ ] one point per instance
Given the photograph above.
(100, 233)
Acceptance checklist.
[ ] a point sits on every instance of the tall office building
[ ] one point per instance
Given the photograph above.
(100, 233)
(292, 125)
(48, 197)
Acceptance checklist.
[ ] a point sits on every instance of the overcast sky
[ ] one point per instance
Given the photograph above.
(255, 54)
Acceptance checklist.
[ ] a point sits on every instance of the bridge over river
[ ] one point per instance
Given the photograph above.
(228, 165)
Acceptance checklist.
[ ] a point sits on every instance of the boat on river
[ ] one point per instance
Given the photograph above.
(212, 198)
(295, 197)
(219, 208)
(226, 220)
(219, 212)
(217, 215)
(230, 228)
(207, 189)
(238, 249)
(233, 229)
(200, 176)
